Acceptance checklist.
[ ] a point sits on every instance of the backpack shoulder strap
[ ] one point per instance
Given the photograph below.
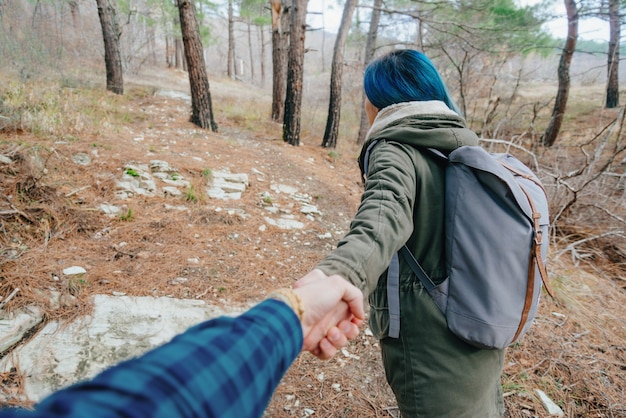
(417, 269)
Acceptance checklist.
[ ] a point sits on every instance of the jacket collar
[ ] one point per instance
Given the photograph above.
(390, 114)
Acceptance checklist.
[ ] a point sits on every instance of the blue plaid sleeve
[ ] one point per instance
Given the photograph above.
(226, 367)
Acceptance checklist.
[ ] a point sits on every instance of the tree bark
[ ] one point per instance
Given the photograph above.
(111, 36)
(336, 76)
(202, 109)
(74, 11)
(280, 46)
(231, 71)
(261, 30)
(552, 131)
(169, 51)
(251, 51)
(293, 102)
(612, 84)
(370, 47)
(179, 54)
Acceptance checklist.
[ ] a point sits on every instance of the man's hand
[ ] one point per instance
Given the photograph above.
(333, 312)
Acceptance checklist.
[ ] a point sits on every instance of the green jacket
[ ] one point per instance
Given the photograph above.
(403, 197)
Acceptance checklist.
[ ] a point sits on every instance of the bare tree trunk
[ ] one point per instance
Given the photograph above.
(293, 102)
(35, 11)
(552, 131)
(231, 42)
(612, 84)
(179, 54)
(323, 46)
(153, 50)
(111, 35)
(202, 109)
(370, 47)
(262, 41)
(169, 52)
(280, 45)
(336, 76)
(250, 49)
(75, 12)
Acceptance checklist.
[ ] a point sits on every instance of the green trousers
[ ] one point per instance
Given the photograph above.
(432, 373)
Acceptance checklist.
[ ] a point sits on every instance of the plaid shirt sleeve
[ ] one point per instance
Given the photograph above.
(225, 367)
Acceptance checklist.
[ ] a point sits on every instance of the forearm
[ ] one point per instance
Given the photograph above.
(226, 367)
(383, 223)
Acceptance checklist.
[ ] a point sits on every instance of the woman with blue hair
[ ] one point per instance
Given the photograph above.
(431, 372)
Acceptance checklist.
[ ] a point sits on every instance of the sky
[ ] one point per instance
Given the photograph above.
(326, 13)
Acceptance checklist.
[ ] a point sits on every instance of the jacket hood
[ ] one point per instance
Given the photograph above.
(428, 124)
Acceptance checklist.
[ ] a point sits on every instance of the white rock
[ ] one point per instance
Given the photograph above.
(171, 191)
(109, 209)
(284, 223)
(81, 158)
(161, 176)
(307, 209)
(15, 325)
(120, 328)
(145, 186)
(179, 182)
(218, 193)
(230, 177)
(349, 355)
(552, 408)
(229, 186)
(71, 271)
(159, 166)
(283, 188)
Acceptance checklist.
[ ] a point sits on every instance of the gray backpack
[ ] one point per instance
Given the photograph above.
(496, 223)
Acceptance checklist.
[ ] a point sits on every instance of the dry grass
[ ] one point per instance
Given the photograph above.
(576, 353)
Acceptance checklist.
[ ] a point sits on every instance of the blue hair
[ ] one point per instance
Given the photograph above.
(404, 76)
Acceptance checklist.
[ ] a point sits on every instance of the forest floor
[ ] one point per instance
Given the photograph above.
(232, 256)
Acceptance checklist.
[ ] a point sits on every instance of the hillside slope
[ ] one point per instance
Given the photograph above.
(54, 187)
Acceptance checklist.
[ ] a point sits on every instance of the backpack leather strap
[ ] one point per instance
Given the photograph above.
(536, 246)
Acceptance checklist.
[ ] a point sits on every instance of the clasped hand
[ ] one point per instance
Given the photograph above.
(333, 312)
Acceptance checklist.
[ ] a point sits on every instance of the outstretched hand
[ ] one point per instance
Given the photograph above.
(333, 312)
